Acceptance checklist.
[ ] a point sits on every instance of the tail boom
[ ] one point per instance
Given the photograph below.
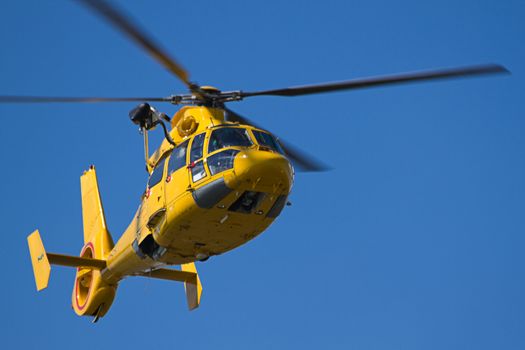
(95, 286)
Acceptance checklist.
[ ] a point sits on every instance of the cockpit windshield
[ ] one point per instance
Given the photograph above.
(265, 139)
(228, 137)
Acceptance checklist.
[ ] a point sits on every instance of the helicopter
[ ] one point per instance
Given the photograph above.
(217, 181)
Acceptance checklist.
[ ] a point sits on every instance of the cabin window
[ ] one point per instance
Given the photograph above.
(228, 137)
(267, 140)
(157, 173)
(197, 147)
(178, 157)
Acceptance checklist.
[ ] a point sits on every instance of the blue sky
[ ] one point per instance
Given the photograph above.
(414, 240)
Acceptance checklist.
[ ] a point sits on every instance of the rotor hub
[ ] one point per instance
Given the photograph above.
(212, 90)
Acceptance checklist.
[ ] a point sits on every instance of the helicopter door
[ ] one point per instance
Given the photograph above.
(177, 180)
(155, 200)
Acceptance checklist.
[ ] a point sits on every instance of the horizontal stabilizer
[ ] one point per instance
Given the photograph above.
(171, 275)
(75, 261)
(188, 275)
(42, 260)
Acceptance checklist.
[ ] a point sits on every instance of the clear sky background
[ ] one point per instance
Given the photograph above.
(414, 241)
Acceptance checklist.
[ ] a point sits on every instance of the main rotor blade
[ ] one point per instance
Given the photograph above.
(44, 99)
(116, 17)
(383, 80)
(300, 159)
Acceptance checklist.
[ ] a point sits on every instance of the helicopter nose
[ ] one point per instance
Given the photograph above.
(263, 171)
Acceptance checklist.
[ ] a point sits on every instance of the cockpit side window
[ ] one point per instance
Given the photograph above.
(178, 157)
(198, 172)
(197, 147)
(267, 140)
(228, 137)
(157, 173)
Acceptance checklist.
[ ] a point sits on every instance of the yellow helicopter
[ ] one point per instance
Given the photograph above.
(216, 181)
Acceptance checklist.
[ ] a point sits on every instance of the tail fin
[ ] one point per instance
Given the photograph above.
(41, 267)
(192, 287)
(94, 220)
(91, 294)
(93, 216)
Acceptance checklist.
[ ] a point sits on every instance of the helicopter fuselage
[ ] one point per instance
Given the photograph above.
(222, 185)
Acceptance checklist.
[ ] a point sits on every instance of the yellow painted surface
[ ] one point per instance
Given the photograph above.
(169, 228)
(193, 287)
(92, 211)
(41, 267)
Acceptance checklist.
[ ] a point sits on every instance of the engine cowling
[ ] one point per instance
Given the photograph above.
(92, 296)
